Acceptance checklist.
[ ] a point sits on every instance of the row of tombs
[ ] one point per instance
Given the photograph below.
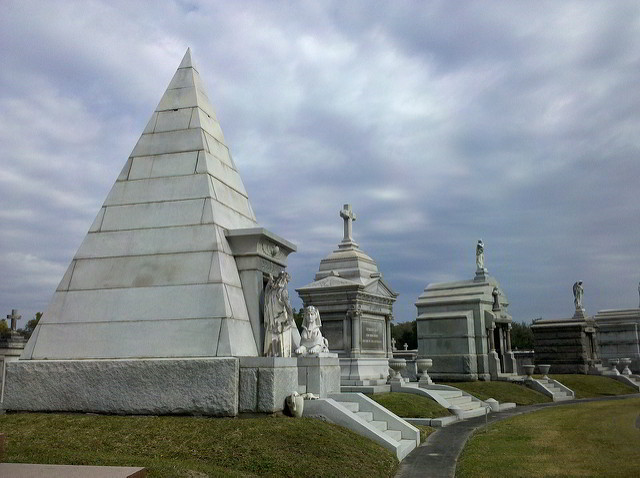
(176, 302)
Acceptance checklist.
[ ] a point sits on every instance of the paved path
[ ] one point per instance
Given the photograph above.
(438, 455)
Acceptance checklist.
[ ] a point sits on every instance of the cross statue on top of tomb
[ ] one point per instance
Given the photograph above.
(349, 216)
(14, 317)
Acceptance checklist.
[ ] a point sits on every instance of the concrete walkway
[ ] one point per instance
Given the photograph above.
(437, 457)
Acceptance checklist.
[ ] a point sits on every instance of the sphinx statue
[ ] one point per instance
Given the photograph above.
(311, 340)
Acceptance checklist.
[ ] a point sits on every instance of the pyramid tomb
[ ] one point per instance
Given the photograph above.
(160, 310)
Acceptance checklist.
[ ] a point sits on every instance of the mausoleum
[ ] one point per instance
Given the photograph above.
(569, 345)
(356, 306)
(465, 328)
(161, 308)
(619, 335)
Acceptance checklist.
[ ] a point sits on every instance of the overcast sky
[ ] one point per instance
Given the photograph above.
(440, 122)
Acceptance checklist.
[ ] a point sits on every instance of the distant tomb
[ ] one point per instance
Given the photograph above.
(465, 328)
(356, 306)
(569, 345)
(161, 309)
(619, 335)
(11, 342)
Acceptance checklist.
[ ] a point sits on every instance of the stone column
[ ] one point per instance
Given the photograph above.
(509, 338)
(388, 320)
(355, 331)
(492, 343)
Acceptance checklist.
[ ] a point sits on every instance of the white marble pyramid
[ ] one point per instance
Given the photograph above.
(155, 276)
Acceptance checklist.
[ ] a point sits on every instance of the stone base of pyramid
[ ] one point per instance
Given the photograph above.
(217, 386)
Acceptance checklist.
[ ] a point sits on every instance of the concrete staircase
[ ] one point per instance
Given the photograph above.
(367, 418)
(551, 388)
(635, 381)
(460, 403)
(631, 380)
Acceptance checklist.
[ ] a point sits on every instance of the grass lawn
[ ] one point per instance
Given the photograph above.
(501, 391)
(587, 440)
(408, 405)
(191, 446)
(587, 386)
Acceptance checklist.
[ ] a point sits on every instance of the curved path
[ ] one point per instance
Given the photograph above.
(438, 455)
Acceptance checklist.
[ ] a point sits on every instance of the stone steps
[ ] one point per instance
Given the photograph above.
(550, 388)
(381, 425)
(366, 417)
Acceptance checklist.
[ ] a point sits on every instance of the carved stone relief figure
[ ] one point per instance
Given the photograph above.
(278, 317)
(311, 339)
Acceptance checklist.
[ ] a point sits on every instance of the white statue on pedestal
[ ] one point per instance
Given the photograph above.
(578, 292)
(311, 340)
(278, 317)
(480, 256)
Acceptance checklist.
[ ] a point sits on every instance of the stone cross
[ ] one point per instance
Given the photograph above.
(14, 319)
(406, 346)
(393, 344)
(349, 216)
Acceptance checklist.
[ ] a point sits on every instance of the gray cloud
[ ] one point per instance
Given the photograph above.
(441, 123)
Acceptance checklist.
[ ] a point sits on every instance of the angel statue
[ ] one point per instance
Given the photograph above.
(278, 317)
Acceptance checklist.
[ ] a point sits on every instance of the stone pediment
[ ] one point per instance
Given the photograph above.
(330, 281)
(379, 287)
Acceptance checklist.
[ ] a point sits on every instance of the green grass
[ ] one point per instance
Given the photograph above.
(588, 440)
(501, 391)
(588, 386)
(186, 446)
(408, 405)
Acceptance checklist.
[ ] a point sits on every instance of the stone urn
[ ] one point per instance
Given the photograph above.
(528, 370)
(544, 370)
(295, 402)
(397, 365)
(614, 365)
(423, 365)
(626, 362)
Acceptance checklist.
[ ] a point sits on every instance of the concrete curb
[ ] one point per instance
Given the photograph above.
(438, 456)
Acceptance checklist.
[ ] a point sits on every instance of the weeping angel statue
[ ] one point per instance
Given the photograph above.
(278, 317)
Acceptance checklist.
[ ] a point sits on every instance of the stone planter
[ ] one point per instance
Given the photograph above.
(544, 370)
(614, 366)
(626, 362)
(528, 369)
(423, 365)
(396, 365)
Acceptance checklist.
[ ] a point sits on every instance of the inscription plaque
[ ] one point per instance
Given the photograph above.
(333, 332)
(372, 334)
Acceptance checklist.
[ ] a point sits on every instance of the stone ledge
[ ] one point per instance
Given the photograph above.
(24, 470)
(201, 386)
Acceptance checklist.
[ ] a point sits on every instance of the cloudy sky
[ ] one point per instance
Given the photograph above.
(440, 122)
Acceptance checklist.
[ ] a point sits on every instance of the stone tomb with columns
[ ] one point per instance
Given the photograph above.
(465, 328)
(356, 306)
(569, 345)
(160, 310)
